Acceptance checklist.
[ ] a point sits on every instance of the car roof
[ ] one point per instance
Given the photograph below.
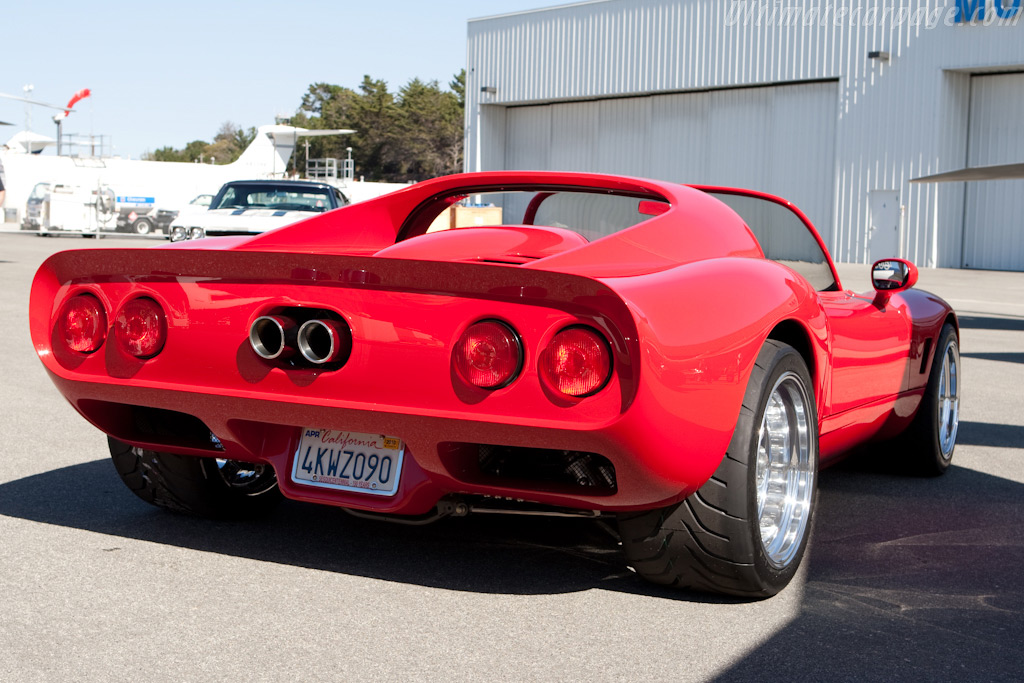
(282, 182)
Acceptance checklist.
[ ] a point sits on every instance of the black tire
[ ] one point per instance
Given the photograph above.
(195, 486)
(930, 440)
(142, 226)
(712, 541)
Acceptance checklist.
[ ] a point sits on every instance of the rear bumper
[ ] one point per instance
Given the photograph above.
(439, 460)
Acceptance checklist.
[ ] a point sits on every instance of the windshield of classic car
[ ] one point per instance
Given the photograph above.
(271, 197)
(590, 214)
(39, 191)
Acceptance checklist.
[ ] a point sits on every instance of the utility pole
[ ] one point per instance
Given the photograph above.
(28, 107)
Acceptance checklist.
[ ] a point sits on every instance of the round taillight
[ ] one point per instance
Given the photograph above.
(577, 362)
(83, 323)
(141, 328)
(489, 355)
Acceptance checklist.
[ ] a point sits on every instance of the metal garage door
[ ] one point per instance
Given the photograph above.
(994, 215)
(778, 139)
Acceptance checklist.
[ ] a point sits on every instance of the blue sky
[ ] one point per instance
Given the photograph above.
(171, 72)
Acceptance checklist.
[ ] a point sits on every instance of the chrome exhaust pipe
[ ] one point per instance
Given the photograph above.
(272, 337)
(324, 341)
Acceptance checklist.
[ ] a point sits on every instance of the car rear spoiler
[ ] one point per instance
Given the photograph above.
(573, 293)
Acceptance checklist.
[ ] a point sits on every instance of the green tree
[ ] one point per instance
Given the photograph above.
(244, 137)
(429, 141)
(164, 154)
(458, 86)
(227, 146)
(229, 143)
(374, 116)
(195, 151)
(413, 134)
(325, 106)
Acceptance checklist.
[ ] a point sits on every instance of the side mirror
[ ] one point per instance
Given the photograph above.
(893, 275)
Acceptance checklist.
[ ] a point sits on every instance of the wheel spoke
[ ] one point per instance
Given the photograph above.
(785, 470)
(948, 403)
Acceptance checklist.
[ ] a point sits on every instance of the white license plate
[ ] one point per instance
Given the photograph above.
(348, 461)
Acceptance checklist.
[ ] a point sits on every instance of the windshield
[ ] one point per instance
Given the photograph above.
(269, 196)
(590, 214)
(39, 191)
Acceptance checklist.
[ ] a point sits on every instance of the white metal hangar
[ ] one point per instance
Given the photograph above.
(834, 104)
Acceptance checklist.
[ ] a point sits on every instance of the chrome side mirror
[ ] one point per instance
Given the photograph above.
(893, 275)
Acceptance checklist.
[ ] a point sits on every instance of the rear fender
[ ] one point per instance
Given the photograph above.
(928, 314)
(701, 327)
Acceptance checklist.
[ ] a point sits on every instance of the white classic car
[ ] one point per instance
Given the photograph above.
(248, 207)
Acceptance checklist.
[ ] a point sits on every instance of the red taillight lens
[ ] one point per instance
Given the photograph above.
(141, 328)
(577, 362)
(488, 355)
(83, 323)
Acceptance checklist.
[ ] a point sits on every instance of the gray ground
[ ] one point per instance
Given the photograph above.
(905, 578)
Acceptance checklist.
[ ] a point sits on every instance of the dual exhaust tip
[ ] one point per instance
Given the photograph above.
(319, 341)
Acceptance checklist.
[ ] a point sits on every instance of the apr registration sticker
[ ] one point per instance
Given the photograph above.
(348, 461)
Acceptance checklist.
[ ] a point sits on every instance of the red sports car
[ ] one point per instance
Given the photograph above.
(681, 357)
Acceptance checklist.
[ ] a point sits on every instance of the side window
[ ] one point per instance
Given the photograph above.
(783, 238)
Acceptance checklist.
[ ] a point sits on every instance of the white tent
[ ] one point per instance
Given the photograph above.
(27, 142)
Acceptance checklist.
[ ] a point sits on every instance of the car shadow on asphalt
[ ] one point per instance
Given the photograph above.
(1001, 357)
(490, 554)
(990, 434)
(907, 577)
(983, 322)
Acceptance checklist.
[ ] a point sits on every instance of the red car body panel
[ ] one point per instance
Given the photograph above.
(684, 298)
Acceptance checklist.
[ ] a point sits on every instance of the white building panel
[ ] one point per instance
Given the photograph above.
(894, 119)
(531, 129)
(679, 148)
(624, 126)
(994, 238)
(783, 137)
(575, 136)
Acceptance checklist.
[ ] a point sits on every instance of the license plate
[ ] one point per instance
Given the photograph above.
(348, 461)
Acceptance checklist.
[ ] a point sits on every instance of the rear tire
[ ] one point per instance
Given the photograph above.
(206, 487)
(930, 439)
(745, 531)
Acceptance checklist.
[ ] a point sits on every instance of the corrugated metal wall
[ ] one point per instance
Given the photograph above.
(897, 119)
(995, 210)
(675, 137)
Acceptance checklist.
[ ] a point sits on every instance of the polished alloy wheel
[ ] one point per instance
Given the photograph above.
(949, 400)
(785, 470)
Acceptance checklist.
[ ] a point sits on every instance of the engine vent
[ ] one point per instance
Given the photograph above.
(503, 262)
(508, 260)
(573, 469)
(157, 426)
(170, 427)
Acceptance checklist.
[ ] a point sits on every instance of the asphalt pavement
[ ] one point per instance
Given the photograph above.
(905, 578)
